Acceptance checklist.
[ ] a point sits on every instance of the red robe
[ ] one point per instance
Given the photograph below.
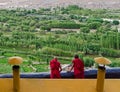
(78, 66)
(55, 66)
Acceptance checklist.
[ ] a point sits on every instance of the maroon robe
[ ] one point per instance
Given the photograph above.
(78, 66)
(55, 69)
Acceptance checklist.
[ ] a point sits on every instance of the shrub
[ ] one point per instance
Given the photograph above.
(88, 62)
(56, 52)
(94, 25)
(115, 22)
(45, 28)
(90, 20)
(85, 29)
(110, 52)
(115, 63)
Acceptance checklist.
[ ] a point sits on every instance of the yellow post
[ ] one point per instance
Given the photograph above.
(16, 61)
(100, 79)
(101, 73)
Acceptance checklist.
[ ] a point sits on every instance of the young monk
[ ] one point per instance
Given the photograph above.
(78, 66)
(55, 68)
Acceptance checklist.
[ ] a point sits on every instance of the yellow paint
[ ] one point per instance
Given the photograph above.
(102, 60)
(59, 85)
(100, 80)
(15, 60)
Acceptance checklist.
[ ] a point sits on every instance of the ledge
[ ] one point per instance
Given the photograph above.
(110, 73)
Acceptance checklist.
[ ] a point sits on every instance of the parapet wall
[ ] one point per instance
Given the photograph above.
(58, 85)
(110, 73)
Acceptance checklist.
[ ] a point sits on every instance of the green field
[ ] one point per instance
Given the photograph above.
(38, 35)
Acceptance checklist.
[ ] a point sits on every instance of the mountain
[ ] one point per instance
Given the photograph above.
(29, 4)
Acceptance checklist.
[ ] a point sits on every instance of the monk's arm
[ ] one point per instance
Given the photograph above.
(71, 67)
(60, 68)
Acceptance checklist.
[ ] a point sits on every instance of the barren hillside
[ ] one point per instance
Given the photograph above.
(112, 4)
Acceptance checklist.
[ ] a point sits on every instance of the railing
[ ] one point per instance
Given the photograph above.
(16, 61)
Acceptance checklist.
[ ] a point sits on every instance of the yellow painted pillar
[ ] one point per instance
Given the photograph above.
(16, 61)
(101, 72)
(100, 79)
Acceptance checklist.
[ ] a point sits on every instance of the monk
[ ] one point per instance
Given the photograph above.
(55, 68)
(78, 66)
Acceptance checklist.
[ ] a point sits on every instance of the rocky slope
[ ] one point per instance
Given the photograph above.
(112, 4)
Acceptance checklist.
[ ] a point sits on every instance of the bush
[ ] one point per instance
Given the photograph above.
(90, 20)
(1, 34)
(73, 17)
(45, 28)
(110, 52)
(56, 52)
(94, 25)
(115, 63)
(82, 19)
(115, 22)
(85, 29)
(88, 62)
(73, 7)
(65, 25)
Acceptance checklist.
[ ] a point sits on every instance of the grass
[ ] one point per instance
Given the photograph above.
(42, 66)
(5, 68)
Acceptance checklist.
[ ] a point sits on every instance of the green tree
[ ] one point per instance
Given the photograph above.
(94, 25)
(115, 22)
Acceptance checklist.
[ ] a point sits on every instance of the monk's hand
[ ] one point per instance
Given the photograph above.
(60, 70)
